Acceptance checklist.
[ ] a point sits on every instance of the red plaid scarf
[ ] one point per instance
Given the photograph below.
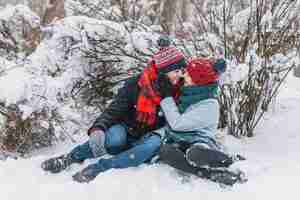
(149, 98)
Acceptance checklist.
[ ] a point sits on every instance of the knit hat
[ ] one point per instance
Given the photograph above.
(202, 71)
(168, 58)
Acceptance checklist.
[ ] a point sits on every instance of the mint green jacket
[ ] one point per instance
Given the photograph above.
(196, 120)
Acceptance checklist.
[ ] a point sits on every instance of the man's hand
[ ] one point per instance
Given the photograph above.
(164, 86)
(96, 132)
(93, 130)
(96, 142)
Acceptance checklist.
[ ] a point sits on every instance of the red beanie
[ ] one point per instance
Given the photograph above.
(202, 71)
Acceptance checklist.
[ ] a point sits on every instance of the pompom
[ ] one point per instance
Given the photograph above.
(164, 41)
(220, 66)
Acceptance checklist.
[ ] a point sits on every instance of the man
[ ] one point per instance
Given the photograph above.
(125, 128)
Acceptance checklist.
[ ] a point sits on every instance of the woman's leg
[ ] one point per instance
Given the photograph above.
(146, 148)
(173, 156)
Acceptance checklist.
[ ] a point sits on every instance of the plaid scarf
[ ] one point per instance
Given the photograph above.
(149, 99)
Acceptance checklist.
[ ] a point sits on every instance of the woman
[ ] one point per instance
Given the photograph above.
(190, 143)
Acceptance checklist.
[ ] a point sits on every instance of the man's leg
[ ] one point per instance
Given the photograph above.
(141, 151)
(113, 141)
(77, 155)
(115, 138)
(146, 148)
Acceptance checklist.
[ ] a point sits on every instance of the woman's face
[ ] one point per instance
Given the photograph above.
(187, 78)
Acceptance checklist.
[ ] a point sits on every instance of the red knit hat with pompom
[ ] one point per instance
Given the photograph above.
(202, 71)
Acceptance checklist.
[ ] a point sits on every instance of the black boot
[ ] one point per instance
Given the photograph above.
(223, 176)
(58, 164)
(199, 156)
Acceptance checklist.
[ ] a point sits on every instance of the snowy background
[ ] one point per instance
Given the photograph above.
(40, 76)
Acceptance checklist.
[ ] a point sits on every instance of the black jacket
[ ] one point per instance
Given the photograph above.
(123, 110)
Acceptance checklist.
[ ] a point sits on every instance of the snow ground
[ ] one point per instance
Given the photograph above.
(272, 166)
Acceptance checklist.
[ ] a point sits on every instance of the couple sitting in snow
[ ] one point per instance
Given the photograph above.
(170, 110)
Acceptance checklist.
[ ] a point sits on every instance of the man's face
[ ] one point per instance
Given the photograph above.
(175, 76)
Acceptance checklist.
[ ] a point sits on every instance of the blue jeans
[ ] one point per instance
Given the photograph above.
(127, 151)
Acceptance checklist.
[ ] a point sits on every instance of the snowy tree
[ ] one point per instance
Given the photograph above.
(55, 10)
(38, 6)
(18, 25)
(297, 71)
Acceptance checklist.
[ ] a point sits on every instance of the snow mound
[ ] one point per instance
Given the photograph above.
(14, 85)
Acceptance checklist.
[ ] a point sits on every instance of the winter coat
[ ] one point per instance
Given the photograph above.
(196, 116)
(123, 110)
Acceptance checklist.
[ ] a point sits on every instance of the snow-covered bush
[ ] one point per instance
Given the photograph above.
(245, 98)
(21, 136)
(19, 31)
(252, 37)
(71, 77)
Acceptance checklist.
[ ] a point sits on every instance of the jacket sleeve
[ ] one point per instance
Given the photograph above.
(204, 114)
(118, 108)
